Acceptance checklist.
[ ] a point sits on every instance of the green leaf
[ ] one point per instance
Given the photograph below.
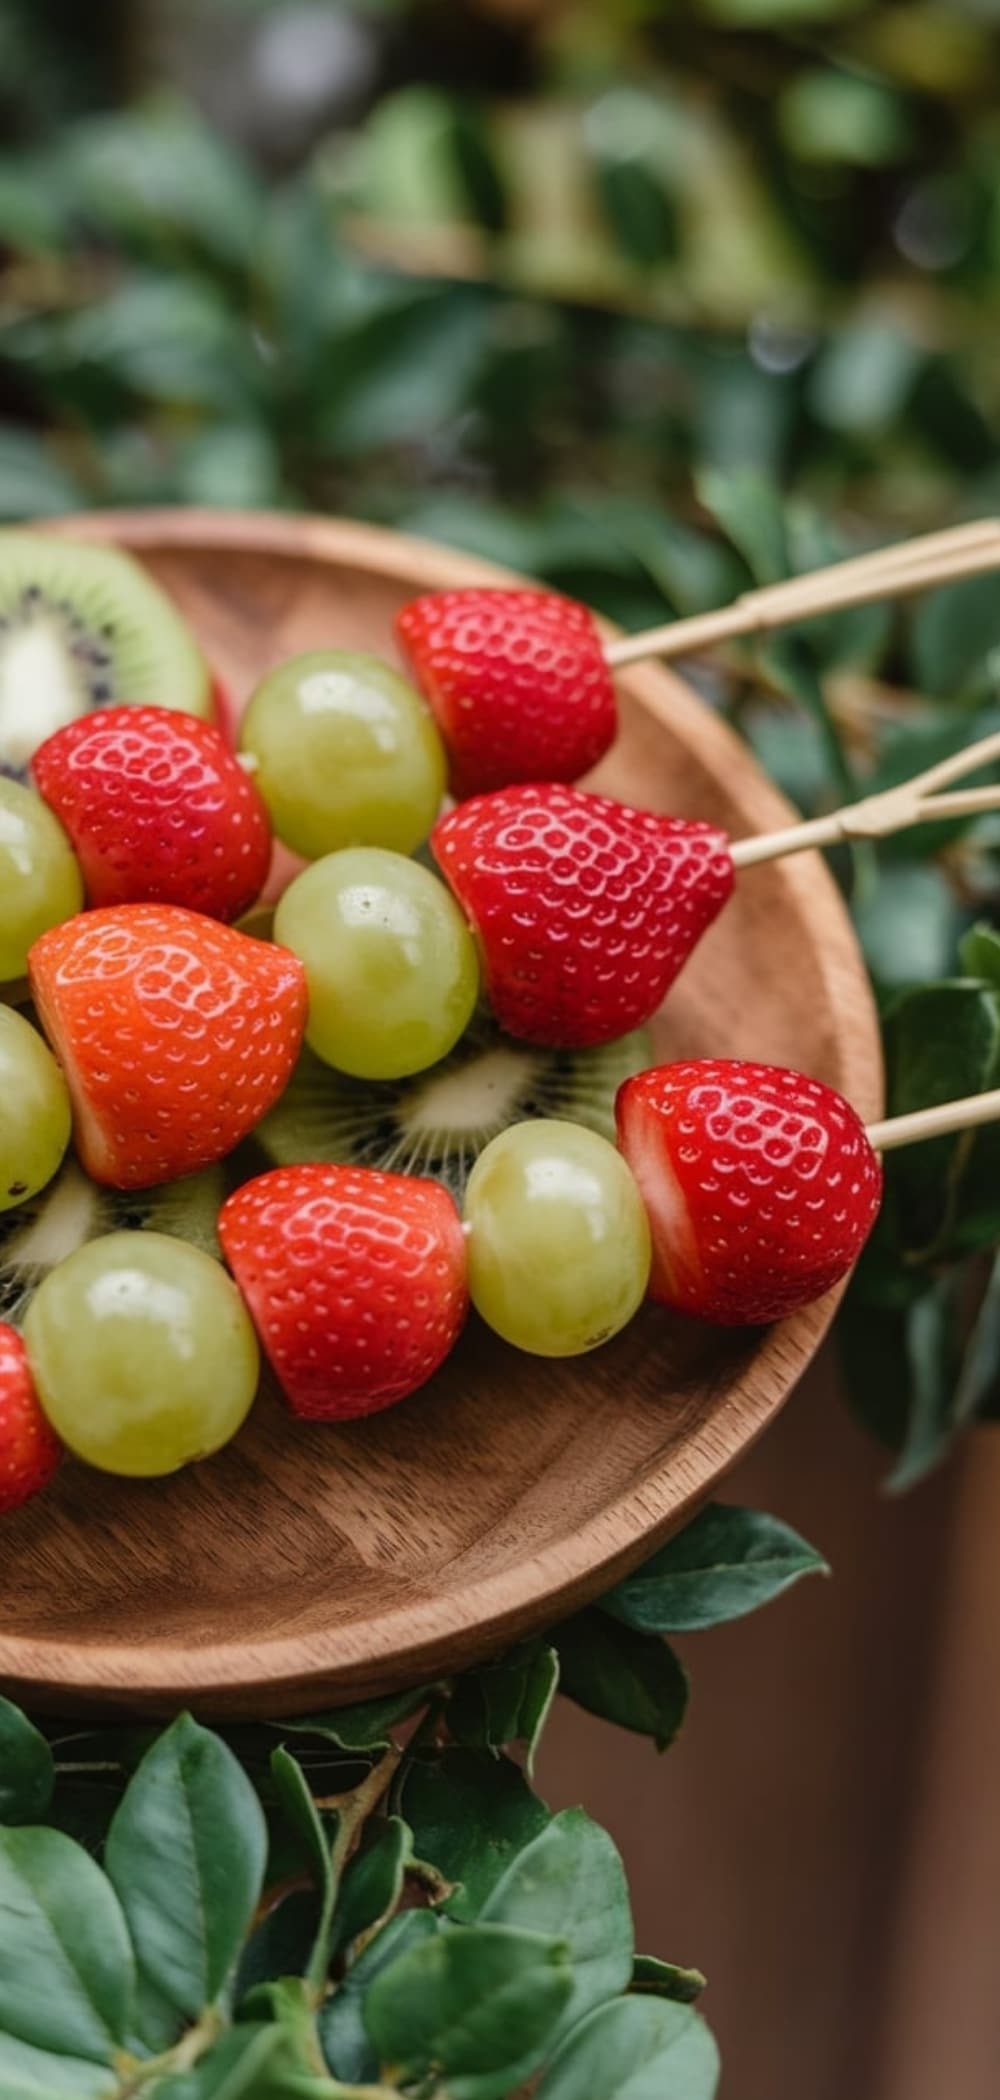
(342, 2030)
(67, 1975)
(725, 1563)
(469, 1814)
(934, 1350)
(36, 2074)
(979, 954)
(630, 1678)
(639, 2049)
(942, 1041)
(186, 1853)
(363, 1727)
(507, 1701)
(282, 1944)
(27, 1769)
(251, 2062)
(477, 2007)
(570, 1882)
(296, 1801)
(373, 1880)
(955, 635)
(663, 1979)
(33, 484)
(751, 513)
(907, 924)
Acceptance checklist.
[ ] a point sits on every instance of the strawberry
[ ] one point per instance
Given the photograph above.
(517, 681)
(356, 1281)
(761, 1185)
(176, 1035)
(158, 809)
(29, 1449)
(585, 909)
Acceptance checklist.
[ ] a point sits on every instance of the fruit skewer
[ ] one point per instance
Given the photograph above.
(521, 680)
(586, 910)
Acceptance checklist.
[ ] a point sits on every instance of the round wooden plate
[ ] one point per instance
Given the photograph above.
(306, 1565)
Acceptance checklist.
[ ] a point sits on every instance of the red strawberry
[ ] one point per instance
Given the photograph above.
(176, 1035)
(585, 909)
(517, 681)
(29, 1449)
(157, 809)
(761, 1185)
(356, 1281)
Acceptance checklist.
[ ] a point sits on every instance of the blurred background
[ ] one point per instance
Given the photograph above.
(652, 301)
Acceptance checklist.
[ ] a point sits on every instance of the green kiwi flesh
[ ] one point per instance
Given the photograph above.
(73, 1209)
(84, 627)
(438, 1123)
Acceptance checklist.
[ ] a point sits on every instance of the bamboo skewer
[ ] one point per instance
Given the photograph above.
(916, 565)
(935, 1122)
(914, 801)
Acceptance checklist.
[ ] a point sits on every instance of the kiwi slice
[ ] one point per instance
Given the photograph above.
(72, 1209)
(438, 1123)
(83, 627)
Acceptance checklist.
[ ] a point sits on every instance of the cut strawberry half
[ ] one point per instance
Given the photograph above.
(176, 1035)
(30, 1450)
(760, 1185)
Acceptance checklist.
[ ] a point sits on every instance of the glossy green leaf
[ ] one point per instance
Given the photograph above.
(27, 1770)
(725, 1563)
(342, 2031)
(297, 1804)
(941, 1042)
(33, 483)
(373, 1880)
(252, 2062)
(478, 2007)
(663, 1979)
(507, 1701)
(469, 1814)
(186, 1854)
(639, 2049)
(67, 1973)
(282, 1944)
(630, 1678)
(362, 1727)
(36, 2074)
(570, 1882)
(907, 924)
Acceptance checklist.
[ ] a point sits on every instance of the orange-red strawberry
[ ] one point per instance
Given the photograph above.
(176, 1035)
(158, 810)
(356, 1281)
(585, 910)
(517, 681)
(29, 1448)
(761, 1185)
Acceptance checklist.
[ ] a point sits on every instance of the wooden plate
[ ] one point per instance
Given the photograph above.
(307, 1565)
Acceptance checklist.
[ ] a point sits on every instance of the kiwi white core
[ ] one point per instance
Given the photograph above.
(38, 693)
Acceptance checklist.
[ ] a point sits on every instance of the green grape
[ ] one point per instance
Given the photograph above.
(35, 1115)
(40, 880)
(390, 963)
(143, 1353)
(346, 754)
(559, 1245)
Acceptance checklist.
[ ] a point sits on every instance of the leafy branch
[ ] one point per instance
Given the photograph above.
(379, 1903)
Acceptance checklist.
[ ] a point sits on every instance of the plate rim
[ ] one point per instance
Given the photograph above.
(405, 1643)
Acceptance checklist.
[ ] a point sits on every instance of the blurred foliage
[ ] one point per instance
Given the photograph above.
(648, 300)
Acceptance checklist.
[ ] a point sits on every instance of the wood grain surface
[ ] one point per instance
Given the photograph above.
(309, 1565)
